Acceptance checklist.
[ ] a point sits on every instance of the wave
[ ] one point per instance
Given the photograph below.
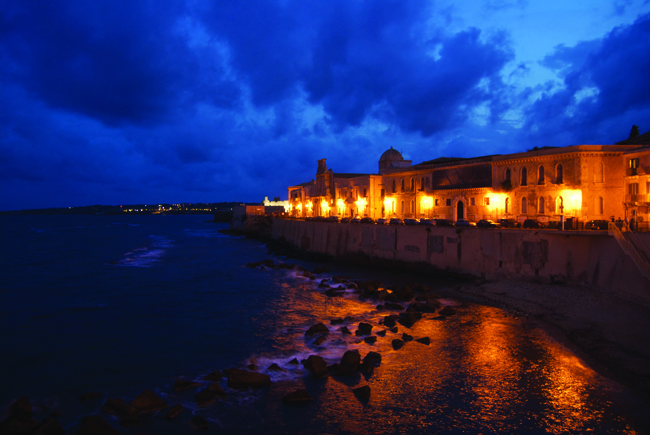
(146, 256)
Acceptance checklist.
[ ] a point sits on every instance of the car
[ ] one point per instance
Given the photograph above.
(602, 225)
(367, 220)
(332, 219)
(318, 219)
(464, 223)
(532, 223)
(486, 223)
(427, 222)
(355, 220)
(409, 221)
(444, 223)
(508, 223)
(382, 221)
(345, 220)
(396, 221)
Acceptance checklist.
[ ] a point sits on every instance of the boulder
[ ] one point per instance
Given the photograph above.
(199, 423)
(95, 425)
(362, 393)
(333, 293)
(294, 361)
(397, 344)
(439, 318)
(148, 402)
(381, 307)
(349, 363)
(298, 396)
(364, 329)
(345, 330)
(423, 307)
(394, 330)
(323, 285)
(204, 398)
(393, 306)
(48, 426)
(182, 384)
(20, 418)
(244, 379)
(373, 357)
(317, 366)
(276, 368)
(406, 337)
(174, 411)
(318, 328)
(367, 367)
(90, 396)
(447, 311)
(389, 321)
(320, 340)
(381, 333)
(214, 376)
(338, 321)
(252, 367)
(21, 407)
(370, 340)
(118, 408)
(424, 340)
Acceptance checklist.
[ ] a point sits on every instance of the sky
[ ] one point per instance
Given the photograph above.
(125, 102)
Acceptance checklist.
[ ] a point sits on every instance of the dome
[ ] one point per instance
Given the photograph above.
(391, 154)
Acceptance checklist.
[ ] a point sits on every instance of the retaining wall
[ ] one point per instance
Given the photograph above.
(577, 257)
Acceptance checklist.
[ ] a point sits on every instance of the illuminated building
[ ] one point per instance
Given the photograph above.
(583, 181)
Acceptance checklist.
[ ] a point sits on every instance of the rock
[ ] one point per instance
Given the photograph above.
(424, 340)
(333, 293)
(381, 307)
(373, 357)
(424, 307)
(48, 426)
(174, 411)
(95, 425)
(90, 396)
(337, 279)
(20, 418)
(349, 363)
(204, 398)
(370, 340)
(320, 340)
(148, 402)
(406, 337)
(214, 376)
(393, 306)
(394, 330)
(362, 392)
(131, 421)
(409, 318)
(381, 333)
(199, 423)
(216, 389)
(276, 368)
(336, 321)
(389, 321)
(321, 270)
(439, 318)
(181, 385)
(298, 396)
(317, 366)
(447, 311)
(349, 319)
(324, 280)
(345, 330)
(118, 408)
(294, 361)
(397, 344)
(244, 379)
(21, 407)
(364, 329)
(318, 328)
(367, 367)
(252, 367)
(323, 285)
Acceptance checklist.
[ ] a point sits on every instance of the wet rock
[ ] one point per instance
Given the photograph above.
(324, 280)
(393, 306)
(276, 368)
(350, 362)
(367, 367)
(244, 379)
(148, 402)
(424, 307)
(406, 337)
(337, 279)
(370, 340)
(204, 398)
(312, 277)
(317, 366)
(334, 368)
(294, 361)
(338, 321)
(345, 330)
(362, 392)
(298, 396)
(118, 408)
(214, 376)
(181, 385)
(21, 407)
(90, 396)
(318, 328)
(403, 293)
(397, 344)
(381, 308)
(20, 418)
(199, 423)
(333, 293)
(439, 318)
(373, 357)
(95, 425)
(394, 330)
(424, 340)
(409, 318)
(447, 311)
(351, 285)
(364, 329)
(389, 321)
(174, 411)
(307, 274)
(320, 340)
(131, 421)
(321, 270)
(349, 319)
(216, 389)
(252, 367)
(48, 426)
(323, 285)
(381, 333)
(391, 298)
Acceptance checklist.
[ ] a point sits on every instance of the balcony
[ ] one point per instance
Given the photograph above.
(637, 198)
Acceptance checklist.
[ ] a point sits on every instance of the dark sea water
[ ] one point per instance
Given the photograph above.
(120, 304)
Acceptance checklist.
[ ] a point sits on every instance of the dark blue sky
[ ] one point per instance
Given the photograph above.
(108, 102)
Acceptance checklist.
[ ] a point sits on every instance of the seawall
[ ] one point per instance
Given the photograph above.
(571, 257)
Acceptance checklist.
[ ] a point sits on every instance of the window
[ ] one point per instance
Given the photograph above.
(507, 205)
(402, 185)
(412, 184)
(634, 165)
(541, 175)
(600, 205)
(383, 193)
(402, 203)
(412, 206)
(524, 176)
(436, 203)
(541, 205)
(634, 188)
(599, 172)
(427, 180)
(365, 195)
(394, 187)
(524, 205)
(507, 174)
(422, 184)
(448, 202)
(471, 201)
(345, 193)
(486, 200)
(559, 174)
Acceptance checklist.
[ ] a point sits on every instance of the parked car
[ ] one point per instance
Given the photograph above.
(355, 220)
(427, 222)
(509, 223)
(532, 223)
(464, 223)
(382, 221)
(318, 219)
(409, 221)
(345, 220)
(367, 220)
(332, 219)
(444, 223)
(597, 225)
(486, 223)
(396, 221)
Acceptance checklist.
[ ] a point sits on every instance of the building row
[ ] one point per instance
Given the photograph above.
(587, 182)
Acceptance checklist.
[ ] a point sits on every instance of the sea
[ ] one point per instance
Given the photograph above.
(120, 304)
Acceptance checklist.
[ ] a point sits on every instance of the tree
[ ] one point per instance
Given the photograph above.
(276, 198)
(634, 132)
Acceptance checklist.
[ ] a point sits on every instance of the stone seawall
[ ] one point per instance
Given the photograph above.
(592, 259)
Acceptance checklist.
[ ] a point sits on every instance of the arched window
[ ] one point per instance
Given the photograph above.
(600, 205)
(507, 174)
(422, 184)
(394, 187)
(541, 175)
(402, 185)
(524, 176)
(524, 205)
(402, 205)
(541, 205)
(559, 174)
(412, 206)
(507, 205)
(599, 172)
(412, 184)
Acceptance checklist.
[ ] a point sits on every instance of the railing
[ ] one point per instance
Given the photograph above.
(628, 248)
(637, 198)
